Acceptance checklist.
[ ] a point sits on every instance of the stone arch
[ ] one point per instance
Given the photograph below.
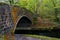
(24, 22)
(18, 13)
(23, 18)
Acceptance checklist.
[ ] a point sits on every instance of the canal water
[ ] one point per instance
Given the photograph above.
(53, 33)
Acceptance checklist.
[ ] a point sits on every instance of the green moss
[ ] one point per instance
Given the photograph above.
(42, 37)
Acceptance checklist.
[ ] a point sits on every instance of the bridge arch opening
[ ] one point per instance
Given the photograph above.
(24, 22)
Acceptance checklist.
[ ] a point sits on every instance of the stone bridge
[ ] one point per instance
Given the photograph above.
(22, 16)
(13, 16)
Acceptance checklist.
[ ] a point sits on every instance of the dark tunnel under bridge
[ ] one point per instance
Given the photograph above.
(23, 22)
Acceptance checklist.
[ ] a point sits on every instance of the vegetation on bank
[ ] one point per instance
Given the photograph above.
(41, 37)
(46, 9)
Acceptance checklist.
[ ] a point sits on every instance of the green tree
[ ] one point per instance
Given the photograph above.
(55, 10)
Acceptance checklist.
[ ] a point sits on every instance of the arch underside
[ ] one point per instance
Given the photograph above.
(18, 15)
(23, 22)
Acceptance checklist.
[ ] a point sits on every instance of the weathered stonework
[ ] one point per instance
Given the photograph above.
(18, 13)
(10, 15)
(5, 18)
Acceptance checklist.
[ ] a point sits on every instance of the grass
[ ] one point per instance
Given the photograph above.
(2, 37)
(37, 36)
(41, 37)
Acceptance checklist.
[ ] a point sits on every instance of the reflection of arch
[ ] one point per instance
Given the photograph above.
(26, 20)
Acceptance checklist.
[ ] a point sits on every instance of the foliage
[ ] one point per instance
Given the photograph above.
(47, 9)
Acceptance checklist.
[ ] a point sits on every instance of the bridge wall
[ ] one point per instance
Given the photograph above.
(17, 13)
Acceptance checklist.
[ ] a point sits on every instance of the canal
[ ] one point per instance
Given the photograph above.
(52, 33)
